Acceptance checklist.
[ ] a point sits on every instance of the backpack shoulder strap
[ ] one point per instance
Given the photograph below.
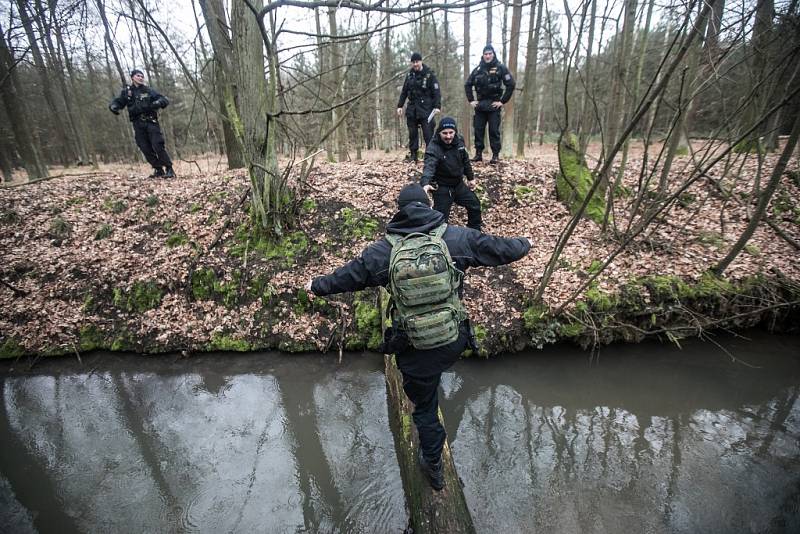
(439, 230)
(393, 239)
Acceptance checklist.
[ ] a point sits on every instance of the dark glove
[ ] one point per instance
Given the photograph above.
(472, 341)
(114, 109)
(161, 102)
(395, 341)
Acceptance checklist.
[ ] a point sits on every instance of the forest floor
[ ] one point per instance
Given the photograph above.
(109, 259)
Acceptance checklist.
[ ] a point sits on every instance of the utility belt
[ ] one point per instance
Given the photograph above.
(147, 117)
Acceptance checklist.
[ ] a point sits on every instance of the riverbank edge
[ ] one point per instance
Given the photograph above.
(665, 308)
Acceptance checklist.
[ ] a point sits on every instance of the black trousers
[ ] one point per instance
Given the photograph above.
(479, 123)
(422, 371)
(150, 141)
(413, 133)
(462, 195)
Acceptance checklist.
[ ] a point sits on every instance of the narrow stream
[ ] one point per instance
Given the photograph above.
(638, 438)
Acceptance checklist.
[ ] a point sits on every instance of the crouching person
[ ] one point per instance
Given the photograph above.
(446, 164)
(421, 261)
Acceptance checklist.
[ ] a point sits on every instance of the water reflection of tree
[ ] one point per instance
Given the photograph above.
(147, 442)
(313, 470)
(607, 451)
(28, 474)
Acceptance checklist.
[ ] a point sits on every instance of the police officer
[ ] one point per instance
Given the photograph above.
(142, 103)
(446, 162)
(421, 88)
(422, 369)
(488, 78)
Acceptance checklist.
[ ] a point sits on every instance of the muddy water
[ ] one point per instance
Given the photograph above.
(641, 438)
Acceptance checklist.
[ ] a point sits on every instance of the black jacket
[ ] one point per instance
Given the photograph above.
(142, 102)
(446, 164)
(422, 91)
(488, 80)
(468, 248)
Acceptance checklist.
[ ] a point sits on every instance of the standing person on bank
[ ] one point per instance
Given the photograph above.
(446, 163)
(142, 103)
(424, 348)
(421, 88)
(488, 79)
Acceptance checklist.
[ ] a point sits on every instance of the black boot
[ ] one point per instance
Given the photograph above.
(170, 173)
(434, 472)
(478, 157)
(495, 159)
(158, 172)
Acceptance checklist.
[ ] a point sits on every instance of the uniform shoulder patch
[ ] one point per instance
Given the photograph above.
(507, 76)
(436, 86)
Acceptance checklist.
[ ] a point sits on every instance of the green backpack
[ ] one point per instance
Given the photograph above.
(424, 282)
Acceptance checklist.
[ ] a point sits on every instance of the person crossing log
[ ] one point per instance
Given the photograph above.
(422, 260)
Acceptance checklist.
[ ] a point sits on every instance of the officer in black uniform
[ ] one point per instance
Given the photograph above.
(142, 103)
(446, 163)
(488, 78)
(421, 88)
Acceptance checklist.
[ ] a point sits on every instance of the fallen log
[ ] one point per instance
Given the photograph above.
(428, 510)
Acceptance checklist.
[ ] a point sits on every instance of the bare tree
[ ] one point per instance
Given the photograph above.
(17, 112)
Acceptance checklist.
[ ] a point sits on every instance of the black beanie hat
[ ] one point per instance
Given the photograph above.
(416, 56)
(412, 193)
(136, 71)
(489, 48)
(447, 122)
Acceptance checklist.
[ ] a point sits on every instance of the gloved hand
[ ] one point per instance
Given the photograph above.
(114, 109)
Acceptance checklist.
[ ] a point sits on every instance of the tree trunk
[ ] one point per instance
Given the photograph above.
(74, 116)
(530, 89)
(619, 80)
(508, 119)
(587, 113)
(488, 22)
(336, 81)
(17, 112)
(224, 73)
(387, 108)
(65, 154)
(466, 124)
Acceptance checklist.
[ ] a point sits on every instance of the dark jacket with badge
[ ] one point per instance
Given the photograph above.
(422, 91)
(446, 164)
(492, 82)
(142, 102)
(467, 247)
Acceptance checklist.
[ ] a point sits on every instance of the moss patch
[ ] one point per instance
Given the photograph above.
(367, 323)
(59, 228)
(90, 338)
(286, 249)
(141, 296)
(177, 239)
(115, 205)
(224, 342)
(103, 232)
(356, 225)
(11, 349)
(574, 180)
